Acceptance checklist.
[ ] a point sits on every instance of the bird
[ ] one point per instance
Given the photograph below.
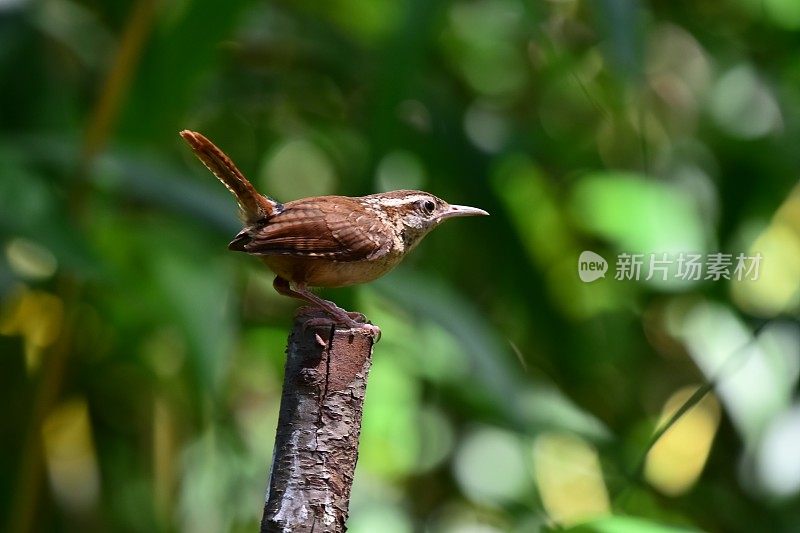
(326, 241)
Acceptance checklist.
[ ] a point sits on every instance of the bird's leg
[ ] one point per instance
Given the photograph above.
(339, 315)
(284, 287)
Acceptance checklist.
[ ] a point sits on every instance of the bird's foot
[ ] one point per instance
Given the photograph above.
(338, 317)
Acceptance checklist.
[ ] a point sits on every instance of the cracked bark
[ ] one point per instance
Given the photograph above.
(316, 445)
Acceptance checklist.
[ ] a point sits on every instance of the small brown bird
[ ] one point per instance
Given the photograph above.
(326, 241)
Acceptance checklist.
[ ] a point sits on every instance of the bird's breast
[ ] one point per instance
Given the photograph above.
(323, 272)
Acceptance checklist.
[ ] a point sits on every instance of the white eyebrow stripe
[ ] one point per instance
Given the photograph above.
(396, 202)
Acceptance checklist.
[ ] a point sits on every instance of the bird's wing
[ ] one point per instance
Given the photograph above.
(337, 228)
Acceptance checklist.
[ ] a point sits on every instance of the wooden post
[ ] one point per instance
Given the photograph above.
(316, 445)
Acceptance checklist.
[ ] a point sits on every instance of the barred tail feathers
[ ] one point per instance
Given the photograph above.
(253, 205)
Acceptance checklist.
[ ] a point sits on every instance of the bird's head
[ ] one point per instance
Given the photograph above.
(415, 213)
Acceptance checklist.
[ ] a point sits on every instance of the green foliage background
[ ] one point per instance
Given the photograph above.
(141, 362)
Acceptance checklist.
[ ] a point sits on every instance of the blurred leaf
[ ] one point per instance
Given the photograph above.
(625, 524)
(198, 292)
(637, 214)
(528, 406)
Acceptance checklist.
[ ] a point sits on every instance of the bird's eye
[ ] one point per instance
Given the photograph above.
(428, 206)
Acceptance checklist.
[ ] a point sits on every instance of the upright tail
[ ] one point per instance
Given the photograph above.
(253, 205)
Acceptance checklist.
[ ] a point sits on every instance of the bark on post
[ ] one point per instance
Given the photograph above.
(316, 445)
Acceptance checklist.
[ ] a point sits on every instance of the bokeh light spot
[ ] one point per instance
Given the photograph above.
(381, 517)
(743, 106)
(677, 459)
(490, 466)
(679, 72)
(30, 260)
(777, 288)
(35, 315)
(297, 168)
(70, 456)
(569, 478)
(400, 170)
(437, 438)
(778, 463)
(486, 127)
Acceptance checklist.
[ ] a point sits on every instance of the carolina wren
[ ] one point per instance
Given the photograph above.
(326, 241)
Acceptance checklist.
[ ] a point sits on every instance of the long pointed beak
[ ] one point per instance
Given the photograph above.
(462, 211)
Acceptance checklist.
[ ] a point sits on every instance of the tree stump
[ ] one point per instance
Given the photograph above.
(316, 445)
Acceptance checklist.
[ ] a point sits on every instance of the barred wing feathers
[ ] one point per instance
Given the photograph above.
(340, 230)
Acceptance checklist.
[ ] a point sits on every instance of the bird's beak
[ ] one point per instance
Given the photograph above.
(462, 211)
